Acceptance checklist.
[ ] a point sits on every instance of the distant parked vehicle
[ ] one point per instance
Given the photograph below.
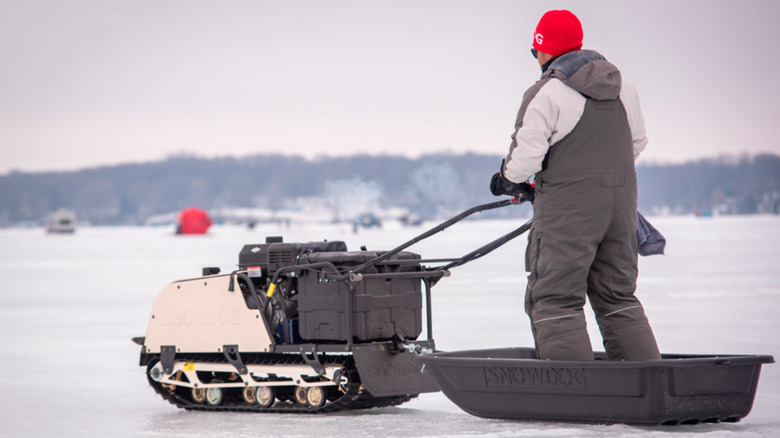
(61, 222)
(411, 219)
(369, 220)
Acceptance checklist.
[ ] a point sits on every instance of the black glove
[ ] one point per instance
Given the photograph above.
(527, 191)
(499, 185)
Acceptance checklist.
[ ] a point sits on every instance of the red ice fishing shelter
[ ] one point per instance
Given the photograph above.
(193, 220)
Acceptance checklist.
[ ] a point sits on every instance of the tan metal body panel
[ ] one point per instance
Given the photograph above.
(201, 315)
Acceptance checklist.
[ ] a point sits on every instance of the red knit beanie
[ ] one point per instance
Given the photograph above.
(558, 32)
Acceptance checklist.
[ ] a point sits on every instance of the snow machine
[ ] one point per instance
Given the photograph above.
(301, 327)
(510, 383)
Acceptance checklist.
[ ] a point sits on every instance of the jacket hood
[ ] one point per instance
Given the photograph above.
(588, 72)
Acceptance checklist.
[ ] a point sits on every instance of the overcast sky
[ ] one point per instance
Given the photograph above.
(87, 83)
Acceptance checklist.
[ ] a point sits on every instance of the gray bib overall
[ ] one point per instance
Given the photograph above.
(583, 243)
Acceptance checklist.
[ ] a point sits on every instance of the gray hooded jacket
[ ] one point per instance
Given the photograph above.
(553, 106)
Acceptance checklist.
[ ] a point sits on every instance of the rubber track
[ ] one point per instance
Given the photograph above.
(355, 398)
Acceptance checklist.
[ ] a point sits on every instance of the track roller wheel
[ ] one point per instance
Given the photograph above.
(300, 395)
(198, 395)
(264, 396)
(315, 396)
(214, 396)
(249, 394)
(156, 372)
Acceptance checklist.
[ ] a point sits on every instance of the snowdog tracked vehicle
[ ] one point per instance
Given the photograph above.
(301, 327)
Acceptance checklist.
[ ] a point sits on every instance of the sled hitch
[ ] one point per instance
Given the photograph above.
(403, 345)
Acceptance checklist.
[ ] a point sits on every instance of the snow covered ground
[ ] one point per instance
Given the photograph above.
(70, 304)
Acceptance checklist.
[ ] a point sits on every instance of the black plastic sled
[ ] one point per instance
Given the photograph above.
(510, 383)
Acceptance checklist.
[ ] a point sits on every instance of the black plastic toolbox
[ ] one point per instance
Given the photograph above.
(386, 301)
(510, 383)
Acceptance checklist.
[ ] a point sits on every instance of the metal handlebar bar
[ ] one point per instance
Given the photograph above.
(448, 223)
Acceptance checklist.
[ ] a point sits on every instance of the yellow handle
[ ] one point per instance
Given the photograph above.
(271, 289)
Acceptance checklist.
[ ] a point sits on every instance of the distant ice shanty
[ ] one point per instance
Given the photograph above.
(193, 220)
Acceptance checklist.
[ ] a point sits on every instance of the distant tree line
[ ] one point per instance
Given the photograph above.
(430, 186)
(723, 185)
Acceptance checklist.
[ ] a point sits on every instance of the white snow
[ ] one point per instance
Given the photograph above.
(70, 304)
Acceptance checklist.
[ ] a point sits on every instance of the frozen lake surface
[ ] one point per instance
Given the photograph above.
(70, 304)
